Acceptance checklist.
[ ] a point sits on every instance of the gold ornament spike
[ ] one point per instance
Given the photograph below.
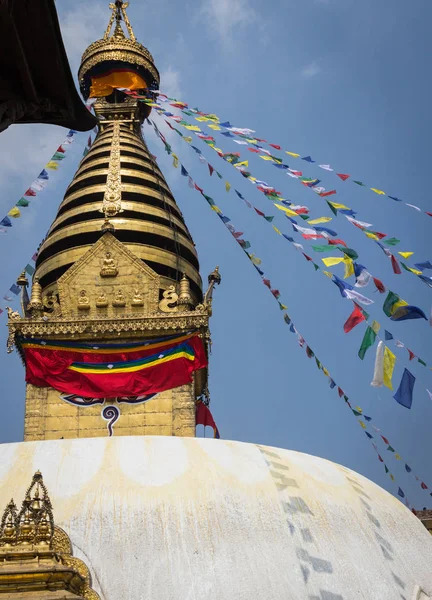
(22, 279)
(111, 204)
(185, 299)
(118, 13)
(214, 279)
(36, 296)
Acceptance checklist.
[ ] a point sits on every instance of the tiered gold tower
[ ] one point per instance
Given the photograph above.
(118, 262)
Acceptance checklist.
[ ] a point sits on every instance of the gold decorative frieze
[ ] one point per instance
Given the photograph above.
(111, 205)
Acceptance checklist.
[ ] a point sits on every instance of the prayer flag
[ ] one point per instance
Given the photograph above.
(14, 212)
(395, 265)
(204, 417)
(332, 260)
(320, 220)
(22, 202)
(387, 335)
(379, 285)
(357, 316)
(389, 363)
(175, 161)
(343, 176)
(52, 165)
(392, 303)
(184, 172)
(369, 338)
(292, 154)
(307, 159)
(401, 493)
(406, 312)
(326, 167)
(379, 192)
(404, 394)
(378, 376)
(325, 194)
(227, 186)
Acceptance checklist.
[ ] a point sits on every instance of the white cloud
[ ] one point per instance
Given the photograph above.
(225, 16)
(170, 82)
(311, 70)
(80, 26)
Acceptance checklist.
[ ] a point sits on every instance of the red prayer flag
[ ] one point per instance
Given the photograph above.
(380, 458)
(356, 317)
(325, 194)
(395, 265)
(306, 256)
(379, 285)
(275, 146)
(211, 169)
(340, 392)
(254, 150)
(298, 173)
(198, 188)
(204, 417)
(423, 486)
(428, 213)
(30, 192)
(343, 176)
(385, 440)
(267, 283)
(61, 149)
(337, 242)
(261, 214)
(411, 354)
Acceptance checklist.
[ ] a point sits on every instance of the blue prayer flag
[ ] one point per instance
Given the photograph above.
(401, 493)
(387, 335)
(408, 469)
(405, 389)
(226, 124)
(308, 159)
(6, 222)
(15, 289)
(423, 265)
(184, 172)
(404, 313)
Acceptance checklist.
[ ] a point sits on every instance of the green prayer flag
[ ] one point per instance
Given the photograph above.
(404, 266)
(386, 470)
(332, 208)
(391, 299)
(22, 202)
(318, 363)
(219, 175)
(187, 112)
(357, 414)
(368, 339)
(57, 156)
(304, 217)
(209, 200)
(422, 362)
(316, 267)
(349, 252)
(392, 241)
(322, 248)
(358, 182)
(391, 449)
(86, 151)
(269, 219)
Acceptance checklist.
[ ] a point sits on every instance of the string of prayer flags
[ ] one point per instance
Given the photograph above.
(242, 132)
(362, 275)
(39, 184)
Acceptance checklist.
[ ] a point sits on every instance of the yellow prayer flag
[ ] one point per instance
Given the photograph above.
(215, 127)
(362, 424)
(227, 186)
(397, 305)
(175, 160)
(349, 267)
(379, 192)
(292, 154)
(398, 456)
(202, 119)
(330, 261)
(266, 157)
(389, 363)
(391, 477)
(375, 326)
(216, 209)
(218, 150)
(320, 220)
(255, 259)
(52, 165)
(14, 212)
(415, 271)
(325, 372)
(283, 307)
(328, 274)
(370, 235)
(251, 140)
(188, 140)
(286, 210)
(406, 254)
(192, 127)
(244, 163)
(338, 206)
(277, 230)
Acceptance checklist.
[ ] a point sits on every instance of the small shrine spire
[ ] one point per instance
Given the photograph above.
(119, 14)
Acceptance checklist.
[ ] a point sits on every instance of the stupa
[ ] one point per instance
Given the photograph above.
(114, 496)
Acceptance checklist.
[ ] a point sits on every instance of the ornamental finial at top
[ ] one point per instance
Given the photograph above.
(119, 14)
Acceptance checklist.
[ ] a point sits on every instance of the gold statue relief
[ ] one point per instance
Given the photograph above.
(109, 267)
(101, 301)
(83, 301)
(137, 299)
(119, 299)
(169, 300)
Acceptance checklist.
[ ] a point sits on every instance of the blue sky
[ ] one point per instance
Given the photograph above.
(342, 81)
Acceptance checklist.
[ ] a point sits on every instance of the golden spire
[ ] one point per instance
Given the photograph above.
(118, 14)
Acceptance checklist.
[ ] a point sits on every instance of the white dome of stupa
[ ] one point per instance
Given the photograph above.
(192, 519)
